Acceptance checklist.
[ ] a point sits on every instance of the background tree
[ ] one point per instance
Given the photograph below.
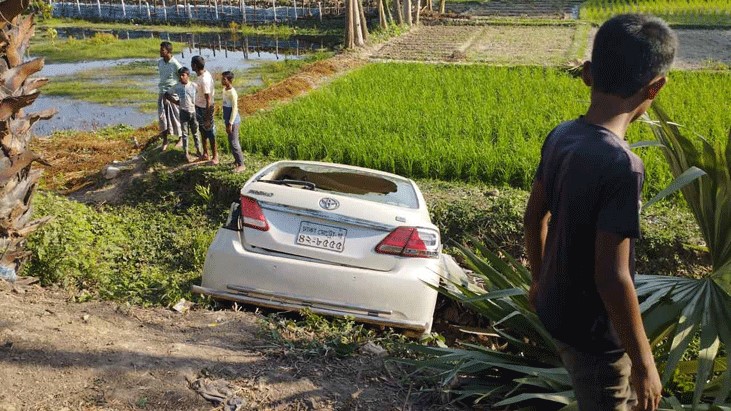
(382, 20)
(356, 29)
(17, 91)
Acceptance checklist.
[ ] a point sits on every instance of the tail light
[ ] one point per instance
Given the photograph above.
(410, 242)
(252, 215)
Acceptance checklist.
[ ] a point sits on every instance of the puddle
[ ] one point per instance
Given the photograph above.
(64, 69)
(216, 61)
(222, 51)
(81, 115)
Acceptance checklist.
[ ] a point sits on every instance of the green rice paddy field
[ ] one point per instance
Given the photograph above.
(472, 123)
(679, 12)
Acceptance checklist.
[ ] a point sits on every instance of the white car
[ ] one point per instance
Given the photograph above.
(337, 239)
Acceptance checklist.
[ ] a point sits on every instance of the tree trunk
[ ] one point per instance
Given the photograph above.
(388, 12)
(382, 21)
(363, 21)
(442, 6)
(418, 12)
(407, 12)
(356, 31)
(399, 13)
(17, 179)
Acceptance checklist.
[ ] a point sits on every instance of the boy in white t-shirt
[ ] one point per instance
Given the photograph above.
(204, 106)
(184, 96)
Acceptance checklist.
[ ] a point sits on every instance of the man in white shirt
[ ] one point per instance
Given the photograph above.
(204, 106)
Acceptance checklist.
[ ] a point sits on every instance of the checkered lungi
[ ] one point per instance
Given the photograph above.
(168, 116)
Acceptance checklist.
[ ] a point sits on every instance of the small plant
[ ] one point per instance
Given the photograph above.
(315, 335)
(204, 192)
(103, 38)
(52, 34)
(42, 9)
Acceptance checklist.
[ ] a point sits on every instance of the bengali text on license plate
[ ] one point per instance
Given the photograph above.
(322, 236)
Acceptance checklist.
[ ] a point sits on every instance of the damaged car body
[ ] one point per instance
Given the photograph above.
(336, 239)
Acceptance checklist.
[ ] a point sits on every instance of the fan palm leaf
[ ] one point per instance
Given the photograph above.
(682, 309)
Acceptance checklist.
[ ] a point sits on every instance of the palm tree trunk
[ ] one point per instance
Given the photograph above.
(17, 178)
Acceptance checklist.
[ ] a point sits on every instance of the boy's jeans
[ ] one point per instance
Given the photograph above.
(189, 125)
(235, 144)
(601, 381)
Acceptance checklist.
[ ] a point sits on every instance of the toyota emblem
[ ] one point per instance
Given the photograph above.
(329, 203)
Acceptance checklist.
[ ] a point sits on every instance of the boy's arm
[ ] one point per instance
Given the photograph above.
(173, 96)
(617, 291)
(535, 223)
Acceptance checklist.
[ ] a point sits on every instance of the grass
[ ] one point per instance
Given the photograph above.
(101, 46)
(714, 13)
(473, 123)
(144, 255)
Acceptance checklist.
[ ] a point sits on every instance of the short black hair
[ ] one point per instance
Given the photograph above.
(197, 61)
(228, 75)
(630, 50)
(167, 46)
(183, 70)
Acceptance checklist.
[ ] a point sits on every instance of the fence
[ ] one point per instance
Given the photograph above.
(211, 12)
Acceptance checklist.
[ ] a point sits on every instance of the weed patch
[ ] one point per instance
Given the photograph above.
(311, 335)
(142, 255)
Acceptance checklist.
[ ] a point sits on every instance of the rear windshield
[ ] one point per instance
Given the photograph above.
(352, 183)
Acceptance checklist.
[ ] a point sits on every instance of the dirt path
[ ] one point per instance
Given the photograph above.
(105, 356)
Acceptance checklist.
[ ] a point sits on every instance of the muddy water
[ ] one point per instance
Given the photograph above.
(80, 115)
(221, 52)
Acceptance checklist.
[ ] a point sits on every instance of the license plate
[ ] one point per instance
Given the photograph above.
(322, 236)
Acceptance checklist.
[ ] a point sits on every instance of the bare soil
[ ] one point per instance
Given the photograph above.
(697, 49)
(56, 355)
(473, 42)
(495, 44)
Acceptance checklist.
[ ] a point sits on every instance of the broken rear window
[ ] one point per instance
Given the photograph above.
(345, 181)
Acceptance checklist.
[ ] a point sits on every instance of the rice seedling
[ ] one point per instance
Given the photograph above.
(471, 123)
(687, 12)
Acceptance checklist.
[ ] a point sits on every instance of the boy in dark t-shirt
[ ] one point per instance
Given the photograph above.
(582, 220)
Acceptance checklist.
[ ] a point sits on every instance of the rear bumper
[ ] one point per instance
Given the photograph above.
(398, 298)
